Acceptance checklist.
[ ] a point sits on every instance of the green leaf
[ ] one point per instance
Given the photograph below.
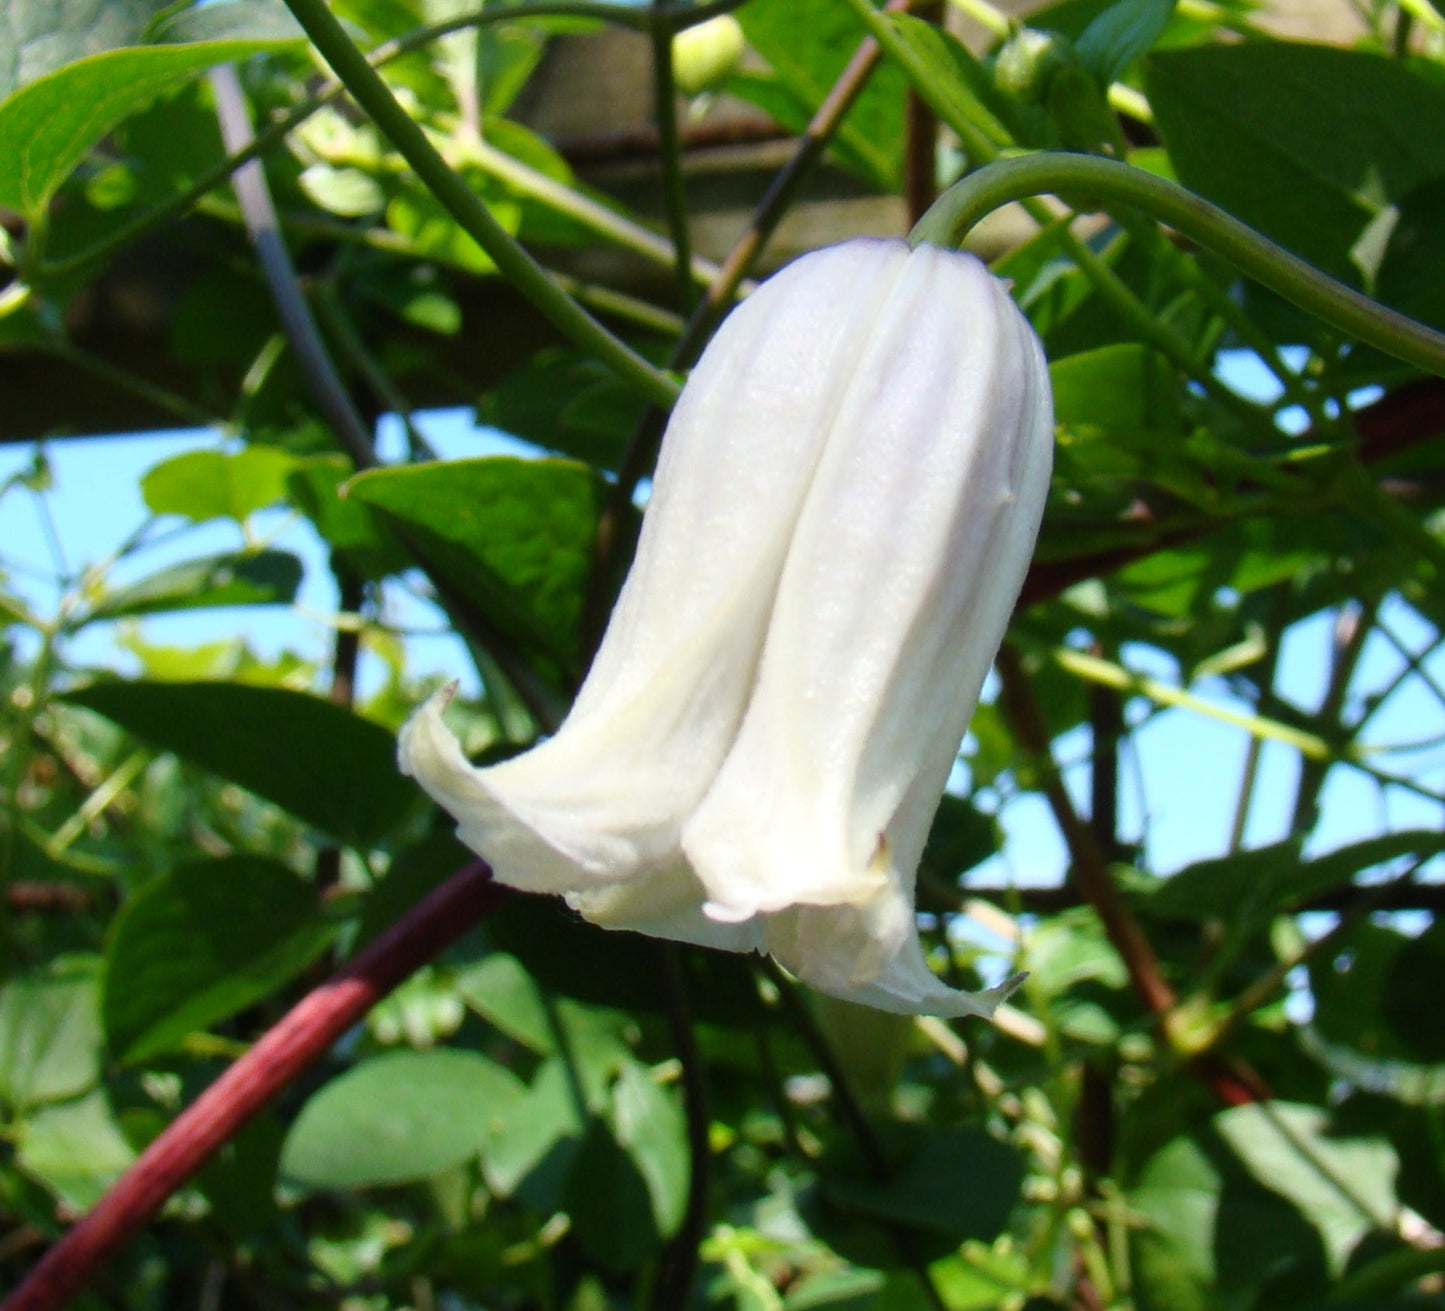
(50, 1033)
(534, 1142)
(501, 991)
(236, 20)
(1304, 142)
(362, 543)
(76, 1149)
(958, 1183)
(1258, 884)
(608, 967)
(1412, 274)
(202, 485)
(239, 1181)
(609, 1203)
(235, 578)
(514, 535)
(1377, 994)
(399, 1118)
(39, 36)
(48, 126)
(870, 137)
(1118, 36)
(649, 1126)
(954, 69)
(1260, 1208)
(201, 943)
(960, 837)
(328, 767)
(566, 402)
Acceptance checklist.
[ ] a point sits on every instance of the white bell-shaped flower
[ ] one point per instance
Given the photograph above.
(843, 511)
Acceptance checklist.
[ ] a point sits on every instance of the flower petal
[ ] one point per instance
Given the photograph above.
(603, 800)
(899, 581)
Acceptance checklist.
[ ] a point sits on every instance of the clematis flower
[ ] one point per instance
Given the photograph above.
(842, 514)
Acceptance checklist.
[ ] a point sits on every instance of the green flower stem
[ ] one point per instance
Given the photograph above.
(1105, 673)
(664, 94)
(375, 97)
(1006, 180)
(987, 147)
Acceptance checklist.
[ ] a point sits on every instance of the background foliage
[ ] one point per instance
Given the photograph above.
(1220, 1087)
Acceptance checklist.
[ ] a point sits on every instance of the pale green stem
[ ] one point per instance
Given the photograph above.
(1006, 180)
(1108, 674)
(664, 91)
(373, 95)
(92, 807)
(605, 222)
(985, 15)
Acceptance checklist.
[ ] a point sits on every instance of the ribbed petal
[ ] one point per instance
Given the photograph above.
(601, 803)
(897, 587)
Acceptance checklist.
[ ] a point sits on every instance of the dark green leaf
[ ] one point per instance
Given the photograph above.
(1303, 142)
(1259, 883)
(961, 837)
(201, 943)
(325, 765)
(1412, 274)
(248, 578)
(1259, 1208)
(533, 1142)
(1377, 995)
(566, 402)
(606, 967)
(648, 1124)
(1118, 36)
(960, 1183)
(399, 1118)
(362, 543)
(239, 1182)
(607, 1198)
(513, 535)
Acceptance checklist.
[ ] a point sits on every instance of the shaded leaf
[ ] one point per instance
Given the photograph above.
(199, 944)
(1303, 142)
(1259, 883)
(236, 578)
(327, 766)
(513, 535)
(398, 1118)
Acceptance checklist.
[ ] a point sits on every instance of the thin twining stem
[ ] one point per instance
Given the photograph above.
(1090, 179)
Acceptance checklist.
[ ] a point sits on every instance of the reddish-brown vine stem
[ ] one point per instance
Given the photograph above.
(296, 1041)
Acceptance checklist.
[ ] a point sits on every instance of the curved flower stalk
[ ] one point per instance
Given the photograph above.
(843, 511)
